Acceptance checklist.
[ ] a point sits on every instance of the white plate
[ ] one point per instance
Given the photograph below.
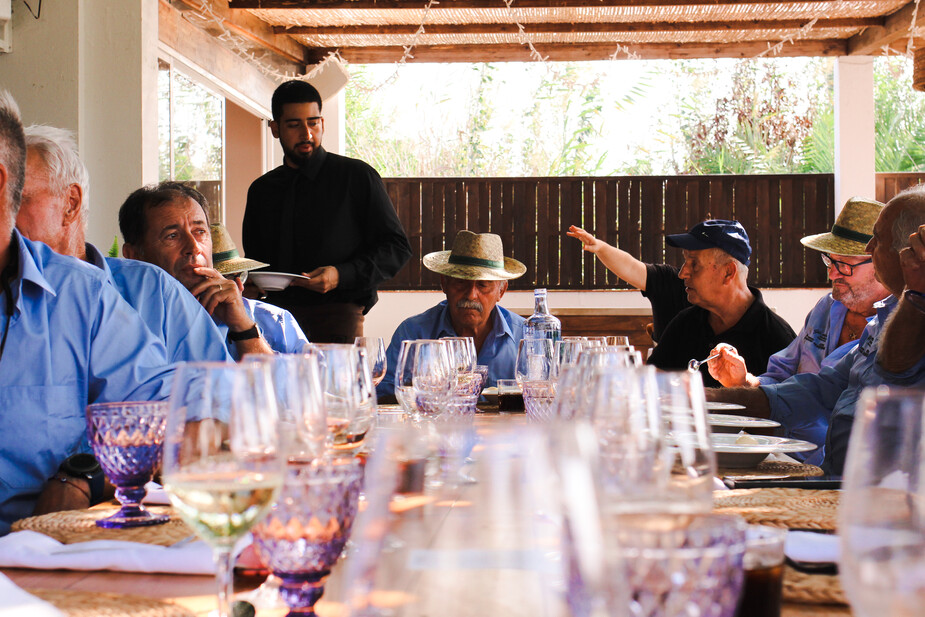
(273, 281)
(742, 455)
(727, 420)
(720, 406)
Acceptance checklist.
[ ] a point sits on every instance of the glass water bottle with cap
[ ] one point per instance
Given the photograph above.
(541, 324)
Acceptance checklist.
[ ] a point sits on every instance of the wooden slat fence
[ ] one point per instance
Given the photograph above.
(633, 212)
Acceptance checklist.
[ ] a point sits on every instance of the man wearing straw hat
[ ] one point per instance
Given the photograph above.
(54, 211)
(831, 394)
(474, 276)
(834, 325)
(277, 325)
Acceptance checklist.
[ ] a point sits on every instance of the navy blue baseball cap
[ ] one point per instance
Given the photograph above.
(729, 236)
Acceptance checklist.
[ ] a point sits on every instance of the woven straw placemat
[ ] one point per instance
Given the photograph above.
(812, 588)
(88, 604)
(774, 469)
(794, 508)
(73, 526)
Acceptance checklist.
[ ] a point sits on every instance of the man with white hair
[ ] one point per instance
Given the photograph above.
(725, 308)
(54, 211)
(68, 339)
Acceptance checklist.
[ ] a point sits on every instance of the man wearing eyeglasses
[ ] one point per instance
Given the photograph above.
(326, 217)
(835, 324)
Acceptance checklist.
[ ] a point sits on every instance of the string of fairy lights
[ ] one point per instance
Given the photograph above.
(206, 15)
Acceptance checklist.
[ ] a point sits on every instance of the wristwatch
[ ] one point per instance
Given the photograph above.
(915, 298)
(245, 335)
(85, 466)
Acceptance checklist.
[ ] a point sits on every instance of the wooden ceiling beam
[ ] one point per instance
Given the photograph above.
(578, 28)
(569, 52)
(895, 27)
(249, 27)
(490, 4)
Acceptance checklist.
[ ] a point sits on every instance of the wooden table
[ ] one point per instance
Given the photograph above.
(476, 549)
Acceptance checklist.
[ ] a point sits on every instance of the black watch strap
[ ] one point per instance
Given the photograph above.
(244, 335)
(84, 465)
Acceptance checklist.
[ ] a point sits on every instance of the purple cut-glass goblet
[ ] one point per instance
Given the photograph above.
(308, 526)
(127, 440)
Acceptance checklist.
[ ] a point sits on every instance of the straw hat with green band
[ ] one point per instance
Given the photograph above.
(475, 257)
(225, 256)
(852, 230)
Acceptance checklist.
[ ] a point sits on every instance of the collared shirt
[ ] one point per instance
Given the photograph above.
(758, 334)
(278, 327)
(815, 346)
(334, 211)
(72, 340)
(168, 309)
(666, 295)
(498, 352)
(820, 407)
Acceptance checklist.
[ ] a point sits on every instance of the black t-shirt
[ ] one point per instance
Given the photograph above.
(666, 294)
(334, 211)
(759, 334)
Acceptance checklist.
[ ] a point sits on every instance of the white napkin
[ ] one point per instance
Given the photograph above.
(30, 549)
(156, 495)
(14, 601)
(812, 547)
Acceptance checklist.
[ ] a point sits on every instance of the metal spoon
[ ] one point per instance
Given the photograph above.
(694, 365)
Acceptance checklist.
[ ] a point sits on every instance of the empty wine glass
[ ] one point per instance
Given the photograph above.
(881, 516)
(462, 356)
(223, 466)
(308, 526)
(433, 376)
(349, 395)
(375, 353)
(536, 361)
(127, 440)
(404, 377)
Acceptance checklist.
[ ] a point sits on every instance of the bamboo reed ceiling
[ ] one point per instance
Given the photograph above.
(383, 31)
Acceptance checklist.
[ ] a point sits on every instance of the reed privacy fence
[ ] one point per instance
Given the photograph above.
(633, 212)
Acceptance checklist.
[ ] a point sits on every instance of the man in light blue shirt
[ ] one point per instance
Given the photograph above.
(828, 398)
(68, 339)
(278, 325)
(474, 276)
(168, 225)
(54, 211)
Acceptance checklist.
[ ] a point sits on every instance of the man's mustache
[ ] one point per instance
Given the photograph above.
(469, 304)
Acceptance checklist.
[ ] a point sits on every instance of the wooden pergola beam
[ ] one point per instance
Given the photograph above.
(895, 27)
(568, 52)
(578, 28)
(490, 4)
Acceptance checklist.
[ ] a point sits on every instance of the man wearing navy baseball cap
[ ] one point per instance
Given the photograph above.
(725, 308)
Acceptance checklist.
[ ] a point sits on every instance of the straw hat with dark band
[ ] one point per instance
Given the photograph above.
(852, 230)
(475, 257)
(225, 256)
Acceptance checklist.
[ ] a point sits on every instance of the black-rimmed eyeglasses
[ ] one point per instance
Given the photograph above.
(845, 269)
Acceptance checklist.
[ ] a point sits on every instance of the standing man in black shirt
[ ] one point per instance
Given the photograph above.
(326, 217)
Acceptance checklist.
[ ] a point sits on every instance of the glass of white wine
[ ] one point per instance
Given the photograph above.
(223, 466)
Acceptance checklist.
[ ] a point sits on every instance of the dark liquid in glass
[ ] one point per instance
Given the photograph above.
(411, 476)
(761, 592)
(511, 402)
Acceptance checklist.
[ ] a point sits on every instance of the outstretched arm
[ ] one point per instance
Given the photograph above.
(619, 262)
(903, 342)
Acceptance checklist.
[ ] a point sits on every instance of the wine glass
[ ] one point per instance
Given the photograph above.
(308, 527)
(433, 377)
(881, 515)
(349, 394)
(404, 377)
(462, 356)
(536, 361)
(223, 466)
(375, 352)
(127, 440)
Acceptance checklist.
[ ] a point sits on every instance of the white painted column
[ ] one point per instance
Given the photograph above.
(91, 67)
(855, 171)
(335, 126)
